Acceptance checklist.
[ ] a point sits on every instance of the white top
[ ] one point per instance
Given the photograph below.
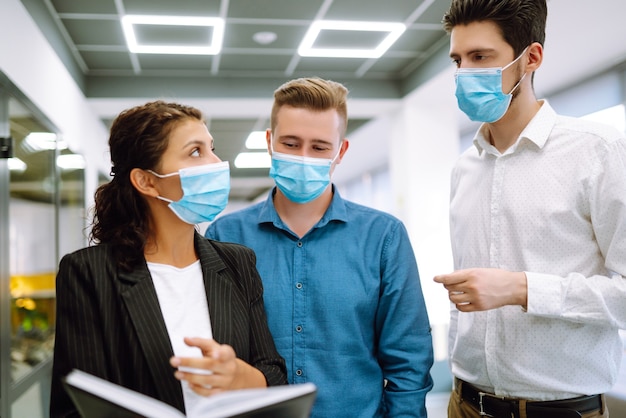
(183, 301)
(553, 205)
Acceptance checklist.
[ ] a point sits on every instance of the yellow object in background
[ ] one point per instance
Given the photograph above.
(33, 285)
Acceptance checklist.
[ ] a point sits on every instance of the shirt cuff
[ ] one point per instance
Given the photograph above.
(544, 294)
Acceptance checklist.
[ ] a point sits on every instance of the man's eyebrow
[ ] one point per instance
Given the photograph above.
(473, 51)
(292, 137)
(322, 141)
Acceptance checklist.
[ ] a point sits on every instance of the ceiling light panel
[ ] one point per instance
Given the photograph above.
(214, 31)
(253, 160)
(307, 47)
(257, 140)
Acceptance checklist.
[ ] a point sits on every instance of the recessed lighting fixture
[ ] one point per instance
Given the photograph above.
(16, 165)
(306, 48)
(213, 48)
(256, 140)
(264, 38)
(43, 141)
(253, 160)
(71, 162)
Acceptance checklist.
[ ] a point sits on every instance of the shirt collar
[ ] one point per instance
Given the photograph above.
(336, 211)
(537, 131)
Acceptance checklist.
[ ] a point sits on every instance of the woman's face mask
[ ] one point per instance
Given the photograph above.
(300, 179)
(479, 92)
(205, 192)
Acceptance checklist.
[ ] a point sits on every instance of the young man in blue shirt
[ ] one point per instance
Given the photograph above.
(341, 286)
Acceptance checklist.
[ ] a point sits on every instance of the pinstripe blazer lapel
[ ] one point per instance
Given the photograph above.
(218, 290)
(142, 304)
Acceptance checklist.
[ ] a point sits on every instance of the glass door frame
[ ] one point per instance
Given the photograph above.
(5, 300)
(10, 391)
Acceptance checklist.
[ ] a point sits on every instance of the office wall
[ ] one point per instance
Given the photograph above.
(30, 63)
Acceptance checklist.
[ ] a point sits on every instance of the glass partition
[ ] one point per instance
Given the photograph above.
(41, 218)
(32, 240)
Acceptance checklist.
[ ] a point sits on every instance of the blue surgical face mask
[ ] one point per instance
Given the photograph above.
(300, 179)
(205, 192)
(479, 92)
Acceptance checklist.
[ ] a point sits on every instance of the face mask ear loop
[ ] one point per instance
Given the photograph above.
(518, 83)
(272, 144)
(336, 155)
(515, 60)
(165, 199)
(162, 176)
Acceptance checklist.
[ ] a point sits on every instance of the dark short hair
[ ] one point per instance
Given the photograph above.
(314, 94)
(138, 138)
(521, 22)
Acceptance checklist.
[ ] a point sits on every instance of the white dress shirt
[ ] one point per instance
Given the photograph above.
(554, 206)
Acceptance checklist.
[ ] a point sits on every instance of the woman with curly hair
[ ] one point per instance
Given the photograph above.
(154, 306)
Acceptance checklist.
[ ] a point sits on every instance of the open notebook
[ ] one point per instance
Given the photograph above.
(98, 398)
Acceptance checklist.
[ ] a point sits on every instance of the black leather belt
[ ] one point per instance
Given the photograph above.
(491, 405)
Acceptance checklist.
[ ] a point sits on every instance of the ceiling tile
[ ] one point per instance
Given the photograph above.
(173, 35)
(80, 6)
(209, 8)
(149, 62)
(95, 32)
(434, 13)
(379, 11)
(418, 40)
(107, 60)
(348, 65)
(239, 35)
(274, 9)
(269, 64)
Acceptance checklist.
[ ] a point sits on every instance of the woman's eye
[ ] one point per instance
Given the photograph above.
(195, 152)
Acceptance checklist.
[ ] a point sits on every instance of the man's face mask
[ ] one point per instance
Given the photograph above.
(205, 192)
(479, 92)
(300, 179)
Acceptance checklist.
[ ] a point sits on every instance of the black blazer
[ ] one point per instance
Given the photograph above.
(109, 322)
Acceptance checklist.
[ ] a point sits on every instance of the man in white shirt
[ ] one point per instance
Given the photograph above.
(538, 228)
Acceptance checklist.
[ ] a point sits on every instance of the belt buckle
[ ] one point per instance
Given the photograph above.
(481, 395)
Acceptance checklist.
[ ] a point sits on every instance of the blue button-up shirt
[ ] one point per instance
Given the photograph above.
(344, 304)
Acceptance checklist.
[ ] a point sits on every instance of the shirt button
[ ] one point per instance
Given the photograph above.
(298, 285)
(298, 372)
(299, 243)
(299, 328)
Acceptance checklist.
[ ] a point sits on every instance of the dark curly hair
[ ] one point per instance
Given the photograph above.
(139, 137)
